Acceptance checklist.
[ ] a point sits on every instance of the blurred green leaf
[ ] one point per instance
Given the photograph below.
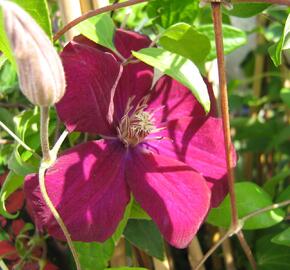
(249, 197)
(11, 184)
(271, 256)
(184, 40)
(94, 255)
(126, 268)
(282, 238)
(179, 68)
(145, 235)
(271, 184)
(285, 96)
(245, 10)
(99, 29)
(284, 195)
(169, 12)
(8, 78)
(233, 38)
(38, 9)
(275, 50)
(7, 118)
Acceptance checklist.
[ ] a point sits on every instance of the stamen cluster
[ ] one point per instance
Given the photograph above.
(136, 124)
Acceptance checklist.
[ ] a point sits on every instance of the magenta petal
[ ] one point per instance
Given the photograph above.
(199, 142)
(89, 193)
(128, 41)
(176, 197)
(171, 100)
(137, 78)
(91, 76)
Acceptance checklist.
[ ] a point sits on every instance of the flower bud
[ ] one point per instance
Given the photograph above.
(40, 70)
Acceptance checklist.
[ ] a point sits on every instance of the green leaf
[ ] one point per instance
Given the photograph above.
(233, 38)
(271, 184)
(126, 268)
(121, 227)
(94, 255)
(99, 29)
(8, 78)
(38, 9)
(184, 40)
(285, 96)
(245, 10)
(249, 197)
(145, 235)
(137, 212)
(169, 12)
(275, 50)
(271, 256)
(282, 238)
(179, 68)
(7, 118)
(11, 184)
(18, 165)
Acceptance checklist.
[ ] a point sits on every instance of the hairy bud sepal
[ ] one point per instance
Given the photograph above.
(40, 70)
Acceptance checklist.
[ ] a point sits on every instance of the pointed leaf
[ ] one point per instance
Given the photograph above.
(99, 29)
(233, 38)
(249, 197)
(144, 234)
(179, 68)
(183, 39)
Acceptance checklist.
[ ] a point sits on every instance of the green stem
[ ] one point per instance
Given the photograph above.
(48, 159)
(44, 136)
(56, 215)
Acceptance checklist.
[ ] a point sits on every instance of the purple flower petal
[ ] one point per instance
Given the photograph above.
(91, 76)
(176, 197)
(175, 101)
(199, 142)
(136, 80)
(89, 193)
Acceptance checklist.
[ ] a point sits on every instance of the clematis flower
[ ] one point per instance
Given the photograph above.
(157, 143)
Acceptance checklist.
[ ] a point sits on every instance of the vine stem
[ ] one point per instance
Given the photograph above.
(216, 11)
(41, 175)
(217, 20)
(48, 159)
(94, 13)
(44, 120)
(237, 231)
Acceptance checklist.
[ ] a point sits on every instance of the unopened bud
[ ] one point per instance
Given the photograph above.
(40, 70)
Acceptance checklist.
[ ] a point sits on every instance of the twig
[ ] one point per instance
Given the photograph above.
(228, 253)
(213, 249)
(94, 13)
(13, 105)
(195, 253)
(247, 249)
(216, 10)
(230, 232)
(17, 139)
(70, 10)
(265, 209)
(217, 19)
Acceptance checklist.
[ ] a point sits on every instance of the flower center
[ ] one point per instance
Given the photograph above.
(136, 124)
